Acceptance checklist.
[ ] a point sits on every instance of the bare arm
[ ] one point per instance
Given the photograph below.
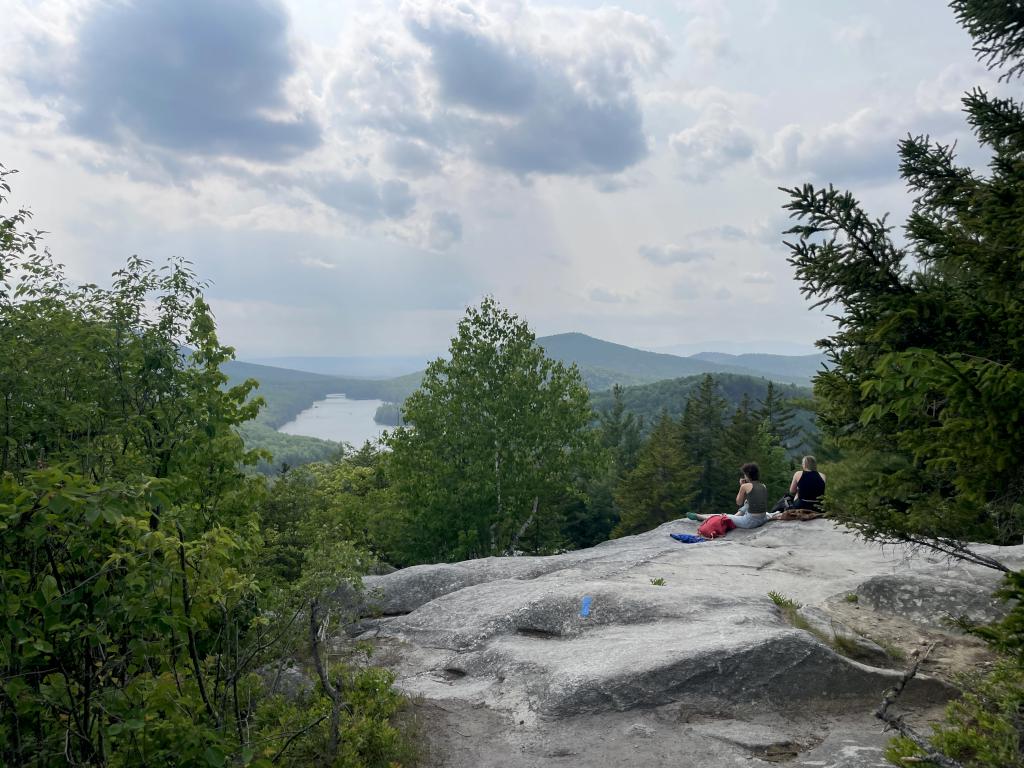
(796, 479)
(741, 496)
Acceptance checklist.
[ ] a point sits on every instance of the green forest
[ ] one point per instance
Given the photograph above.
(159, 572)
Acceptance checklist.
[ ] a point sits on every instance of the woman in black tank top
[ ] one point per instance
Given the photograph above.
(808, 485)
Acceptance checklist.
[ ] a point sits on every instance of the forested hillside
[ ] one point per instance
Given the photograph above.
(648, 401)
(604, 364)
(777, 367)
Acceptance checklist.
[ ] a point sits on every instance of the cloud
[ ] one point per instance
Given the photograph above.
(703, 35)
(472, 68)
(861, 148)
(672, 254)
(758, 278)
(764, 231)
(717, 140)
(445, 230)
(191, 76)
(729, 232)
(315, 263)
(412, 157)
(517, 87)
(705, 38)
(862, 36)
(366, 198)
(604, 296)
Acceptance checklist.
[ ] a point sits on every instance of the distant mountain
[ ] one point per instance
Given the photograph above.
(802, 366)
(738, 347)
(604, 363)
(656, 381)
(362, 367)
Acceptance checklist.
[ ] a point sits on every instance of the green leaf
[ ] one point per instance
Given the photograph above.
(49, 588)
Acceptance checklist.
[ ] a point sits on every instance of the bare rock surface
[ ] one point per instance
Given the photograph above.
(586, 659)
(933, 601)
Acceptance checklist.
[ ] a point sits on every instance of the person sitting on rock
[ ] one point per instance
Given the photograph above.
(752, 499)
(806, 490)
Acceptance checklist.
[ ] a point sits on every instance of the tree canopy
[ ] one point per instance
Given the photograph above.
(140, 591)
(923, 399)
(494, 441)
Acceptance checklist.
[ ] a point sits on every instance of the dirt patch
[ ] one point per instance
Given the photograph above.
(954, 654)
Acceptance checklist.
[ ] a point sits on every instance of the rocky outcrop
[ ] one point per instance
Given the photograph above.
(661, 644)
(933, 600)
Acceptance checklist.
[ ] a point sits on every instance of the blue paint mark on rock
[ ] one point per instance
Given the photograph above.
(585, 607)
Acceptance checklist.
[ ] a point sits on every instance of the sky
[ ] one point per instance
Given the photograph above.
(350, 176)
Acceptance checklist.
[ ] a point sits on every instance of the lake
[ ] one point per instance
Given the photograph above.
(338, 418)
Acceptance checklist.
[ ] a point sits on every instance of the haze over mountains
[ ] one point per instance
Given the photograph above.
(360, 366)
(602, 363)
(654, 382)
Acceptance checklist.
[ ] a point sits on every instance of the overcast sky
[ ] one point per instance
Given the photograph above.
(351, 175)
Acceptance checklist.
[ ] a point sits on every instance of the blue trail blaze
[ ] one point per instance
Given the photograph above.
(585, 608)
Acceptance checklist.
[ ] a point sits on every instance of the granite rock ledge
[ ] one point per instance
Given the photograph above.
(580, 659)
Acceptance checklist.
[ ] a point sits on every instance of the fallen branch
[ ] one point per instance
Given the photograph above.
(895, 722)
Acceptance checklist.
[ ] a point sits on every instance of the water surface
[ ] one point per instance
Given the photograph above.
(338, 418)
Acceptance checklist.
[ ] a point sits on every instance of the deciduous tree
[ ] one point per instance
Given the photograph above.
(495, 439)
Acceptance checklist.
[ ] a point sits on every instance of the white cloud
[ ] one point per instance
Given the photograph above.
(713, 144)
(315, 263)
(860, 148)
(705, 38)
(861, 35)
(672, 254)
(604, 296)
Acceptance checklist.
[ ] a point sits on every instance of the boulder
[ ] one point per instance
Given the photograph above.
(934, 601)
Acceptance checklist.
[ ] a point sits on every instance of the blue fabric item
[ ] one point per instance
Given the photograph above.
(687, 538)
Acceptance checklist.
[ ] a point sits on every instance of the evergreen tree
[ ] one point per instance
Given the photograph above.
(590, 521)
(702, 430)
(923, 396)
(780, 415)
(928, 364)
(619, 431)
(663, 484)
(749, 437)
(740, 438)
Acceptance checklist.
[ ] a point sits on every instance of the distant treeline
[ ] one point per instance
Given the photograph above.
(649, 401)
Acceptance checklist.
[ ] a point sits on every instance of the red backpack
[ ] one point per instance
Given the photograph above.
(715, 527)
